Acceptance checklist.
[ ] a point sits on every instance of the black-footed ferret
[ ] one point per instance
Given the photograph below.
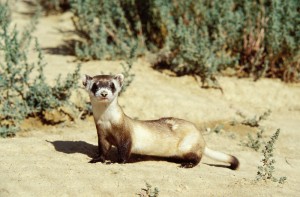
(165, 137)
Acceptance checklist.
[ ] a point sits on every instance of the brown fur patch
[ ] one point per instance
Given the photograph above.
(234, 163)
(121, 138)
(103, 147)
(190, 160)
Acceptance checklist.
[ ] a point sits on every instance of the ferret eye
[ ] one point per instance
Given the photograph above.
(94, 88)
(113, 87)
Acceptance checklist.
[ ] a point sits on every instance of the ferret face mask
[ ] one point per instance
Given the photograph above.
(103, 88)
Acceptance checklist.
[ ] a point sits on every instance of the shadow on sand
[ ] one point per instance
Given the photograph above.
(72, 147)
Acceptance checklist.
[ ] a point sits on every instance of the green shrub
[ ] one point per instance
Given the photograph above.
(210, 37)
(203, 38)
(21, 94)
(196, 43)
(271, 42)
(41, 97)
(105, 30)
(14, 71)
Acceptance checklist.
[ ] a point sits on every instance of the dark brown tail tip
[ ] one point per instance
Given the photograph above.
(234, 163)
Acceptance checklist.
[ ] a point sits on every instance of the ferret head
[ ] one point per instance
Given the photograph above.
(103, 88)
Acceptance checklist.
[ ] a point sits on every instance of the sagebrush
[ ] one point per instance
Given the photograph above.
(203, 38)
(106, 29)
(23, 94)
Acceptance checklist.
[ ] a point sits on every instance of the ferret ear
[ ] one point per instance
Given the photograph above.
(85, 79)
(119, 78)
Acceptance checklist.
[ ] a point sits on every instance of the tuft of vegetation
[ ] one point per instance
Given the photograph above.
(14, 72)
(23, 94)
(127, 71)
(148, 191)
(108, 29)
(128, 76)
(254, 122)
(218, 128)
(265, 172)
(42, 97)
(255, 142)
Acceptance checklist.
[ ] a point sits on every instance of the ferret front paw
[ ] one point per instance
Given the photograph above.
(98, 159)
(187, 165)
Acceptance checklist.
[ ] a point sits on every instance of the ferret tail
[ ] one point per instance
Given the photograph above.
(219, 156)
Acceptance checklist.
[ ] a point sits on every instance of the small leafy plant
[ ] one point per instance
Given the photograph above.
(127, 70)
(128, 76)
(148, 191)
(255, 121)
(218, 128)
(265, 172)
(255, 142)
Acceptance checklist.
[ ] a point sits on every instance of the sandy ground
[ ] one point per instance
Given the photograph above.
(53, 160)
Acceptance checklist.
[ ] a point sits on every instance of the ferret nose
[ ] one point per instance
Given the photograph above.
(104, 93)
